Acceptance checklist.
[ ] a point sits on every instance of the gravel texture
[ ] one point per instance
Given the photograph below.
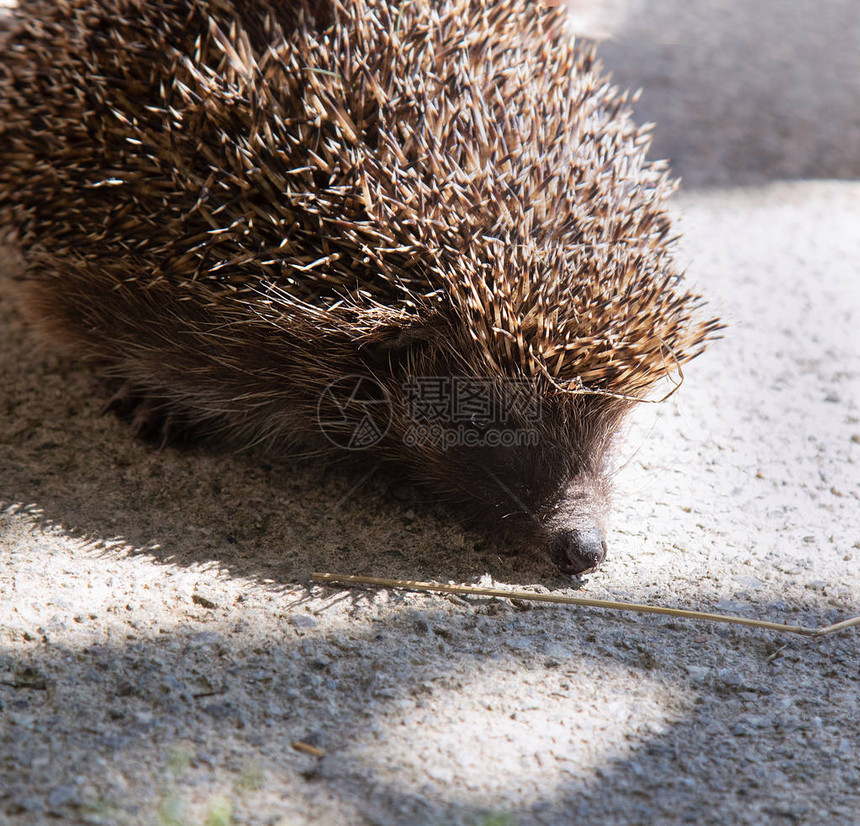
(162, 651)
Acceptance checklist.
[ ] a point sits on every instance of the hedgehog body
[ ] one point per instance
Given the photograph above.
(427, 229)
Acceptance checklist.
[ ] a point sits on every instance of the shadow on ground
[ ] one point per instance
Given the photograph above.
(745, 92)
(175, 705)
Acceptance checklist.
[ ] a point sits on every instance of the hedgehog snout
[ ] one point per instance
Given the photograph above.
(575, 525)
(579, 550)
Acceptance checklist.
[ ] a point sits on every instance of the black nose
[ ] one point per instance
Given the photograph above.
(578, 551)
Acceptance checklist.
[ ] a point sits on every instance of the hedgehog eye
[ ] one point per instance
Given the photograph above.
(383, 354)
(391, 348)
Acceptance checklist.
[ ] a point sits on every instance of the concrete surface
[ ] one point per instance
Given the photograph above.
(161, 650)
(745, 92)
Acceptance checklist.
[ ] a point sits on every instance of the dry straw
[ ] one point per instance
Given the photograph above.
(613, 605)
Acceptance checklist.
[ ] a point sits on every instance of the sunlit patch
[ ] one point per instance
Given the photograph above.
(497, 737)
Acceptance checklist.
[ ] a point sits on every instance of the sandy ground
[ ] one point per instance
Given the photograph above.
(162, 650)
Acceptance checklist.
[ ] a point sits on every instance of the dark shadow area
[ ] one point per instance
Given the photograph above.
(188, 713)
(269, 520)
(745, 92)
(276, 519)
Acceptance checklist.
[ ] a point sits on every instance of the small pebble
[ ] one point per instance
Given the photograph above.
(63, 796)
(304, 621)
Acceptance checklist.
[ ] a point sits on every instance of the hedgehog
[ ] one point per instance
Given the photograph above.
(424, 234)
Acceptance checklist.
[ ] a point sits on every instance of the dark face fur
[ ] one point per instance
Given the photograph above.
(540, 497)
(523, 459)
(535, 479)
